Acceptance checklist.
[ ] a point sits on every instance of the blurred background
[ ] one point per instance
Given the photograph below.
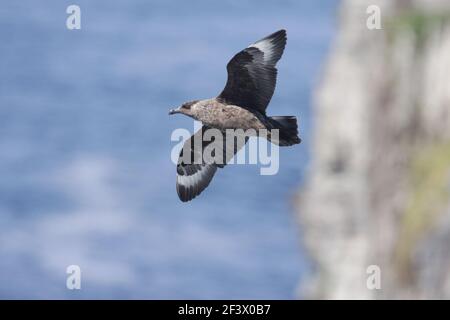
(86, 176)
(377, 192)
(85, 170)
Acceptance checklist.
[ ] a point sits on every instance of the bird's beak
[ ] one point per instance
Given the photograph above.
(173, 111)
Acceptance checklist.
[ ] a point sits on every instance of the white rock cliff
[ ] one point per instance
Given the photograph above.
(378, 186)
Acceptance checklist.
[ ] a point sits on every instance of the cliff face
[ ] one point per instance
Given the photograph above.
(379, 181)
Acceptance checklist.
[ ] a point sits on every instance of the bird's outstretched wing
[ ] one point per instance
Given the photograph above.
(194, 170)
(252, 75)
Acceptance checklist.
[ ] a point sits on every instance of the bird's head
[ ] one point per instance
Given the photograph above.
(186, 108)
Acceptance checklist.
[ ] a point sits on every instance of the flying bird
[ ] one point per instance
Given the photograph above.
(242, 104)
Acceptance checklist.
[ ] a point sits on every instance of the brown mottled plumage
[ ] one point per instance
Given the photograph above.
(216, 114)
(241, 105)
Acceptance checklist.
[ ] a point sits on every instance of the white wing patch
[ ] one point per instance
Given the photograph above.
(265, 46)
(192, 180)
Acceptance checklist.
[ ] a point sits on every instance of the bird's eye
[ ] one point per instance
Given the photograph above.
(186, 106)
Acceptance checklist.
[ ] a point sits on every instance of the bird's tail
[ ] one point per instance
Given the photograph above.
(288, 130)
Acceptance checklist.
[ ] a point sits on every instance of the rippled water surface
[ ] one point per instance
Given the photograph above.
(85, 170)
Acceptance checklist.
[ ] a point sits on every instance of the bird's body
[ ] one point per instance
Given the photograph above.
(241, 105)
(220, 115)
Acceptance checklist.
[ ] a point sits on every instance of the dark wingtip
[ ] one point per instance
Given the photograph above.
(278, 40)
(278, 35)
(282, 31)
(188, 193)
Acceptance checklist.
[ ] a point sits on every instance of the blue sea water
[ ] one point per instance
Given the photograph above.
(85, 172)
